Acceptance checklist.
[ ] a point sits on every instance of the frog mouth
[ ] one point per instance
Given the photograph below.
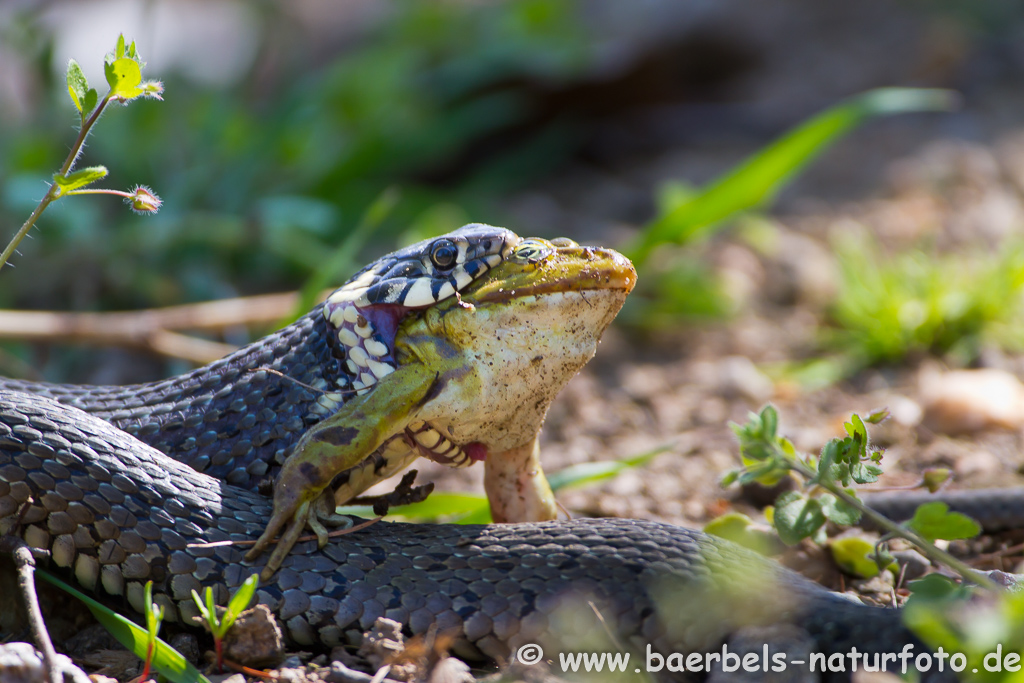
(569, 269)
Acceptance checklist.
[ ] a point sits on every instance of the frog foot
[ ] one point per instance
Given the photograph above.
(322, 515)
(316, 514)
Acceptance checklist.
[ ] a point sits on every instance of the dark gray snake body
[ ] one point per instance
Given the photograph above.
(115, 513)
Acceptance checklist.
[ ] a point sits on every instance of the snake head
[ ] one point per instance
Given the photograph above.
(365, 313)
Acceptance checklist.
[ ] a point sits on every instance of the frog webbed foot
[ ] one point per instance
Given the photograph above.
(323, 515)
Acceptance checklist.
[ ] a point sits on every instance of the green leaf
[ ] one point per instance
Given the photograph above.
(740, 529)
(762, 175)
(449, 507)
(211, 615)
(855, 556)
(935, 477)
(730, 478)
(934, 520)
(239, 602)
(591, 472)
(119, 50)
(865, 473)
(91, 98)
(878, 416)
(79, 179)
(124, 77)
(797, 517)
(166, 659)
(838, 511)
(78, 86)
(937, 587)
(769, 421)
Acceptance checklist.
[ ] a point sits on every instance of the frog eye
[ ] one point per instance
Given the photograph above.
(532, 251)
(444, 254)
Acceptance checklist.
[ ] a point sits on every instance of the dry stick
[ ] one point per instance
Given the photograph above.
(25, 564)
(154, 329)
(311, 537)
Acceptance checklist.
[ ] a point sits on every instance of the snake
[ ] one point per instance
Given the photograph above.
(450, 349)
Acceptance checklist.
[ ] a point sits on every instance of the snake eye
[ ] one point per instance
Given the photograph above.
(444, 254)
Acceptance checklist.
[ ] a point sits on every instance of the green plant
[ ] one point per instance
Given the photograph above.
(123, 70)
(680, 283)
(982, 636)
(164, 659)
(827, 492)
(473, 508)
(154, 615)
(890, 307)
(219, 624)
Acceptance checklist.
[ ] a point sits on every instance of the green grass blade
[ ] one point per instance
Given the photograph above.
(472, 508)
(448, 507)
(168, 661)
(592, 472)
(343, 261)
(762, 175)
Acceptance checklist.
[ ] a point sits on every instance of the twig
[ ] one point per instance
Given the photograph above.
(153, 329)
(311, 537)
(25, 564)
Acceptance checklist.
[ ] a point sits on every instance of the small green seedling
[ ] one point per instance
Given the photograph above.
(154, 616)
(219, 625)
(123, 71)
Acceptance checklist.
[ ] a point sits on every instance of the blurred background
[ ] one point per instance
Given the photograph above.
(285, 122)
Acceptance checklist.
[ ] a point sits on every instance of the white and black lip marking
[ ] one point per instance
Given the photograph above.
(433, 445)
(366, 311)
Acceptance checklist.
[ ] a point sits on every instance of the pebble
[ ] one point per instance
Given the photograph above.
(962, 401)
(256, 640)
(21, 663)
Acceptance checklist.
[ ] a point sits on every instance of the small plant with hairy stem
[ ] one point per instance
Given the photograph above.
(123, 71)
(219, 625)
(827, 494)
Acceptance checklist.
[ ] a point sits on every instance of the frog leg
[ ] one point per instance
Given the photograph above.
(516, 487)
(334, 445)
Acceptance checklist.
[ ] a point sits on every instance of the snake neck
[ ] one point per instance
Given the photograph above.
(237, 418)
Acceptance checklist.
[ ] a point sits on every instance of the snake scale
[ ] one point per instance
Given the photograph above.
(115, 512)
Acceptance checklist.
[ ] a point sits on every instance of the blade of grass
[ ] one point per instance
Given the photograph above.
(451, 507)
(762, 175)
(472, 508)
(168, 661)
(593, 472)
(342, 261)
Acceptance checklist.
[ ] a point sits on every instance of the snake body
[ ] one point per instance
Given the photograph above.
(115, 513)
(128, 484)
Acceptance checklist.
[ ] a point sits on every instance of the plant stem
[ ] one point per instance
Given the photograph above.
(27, 225)
(118, 193)
(53, 193)
(930, 551)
